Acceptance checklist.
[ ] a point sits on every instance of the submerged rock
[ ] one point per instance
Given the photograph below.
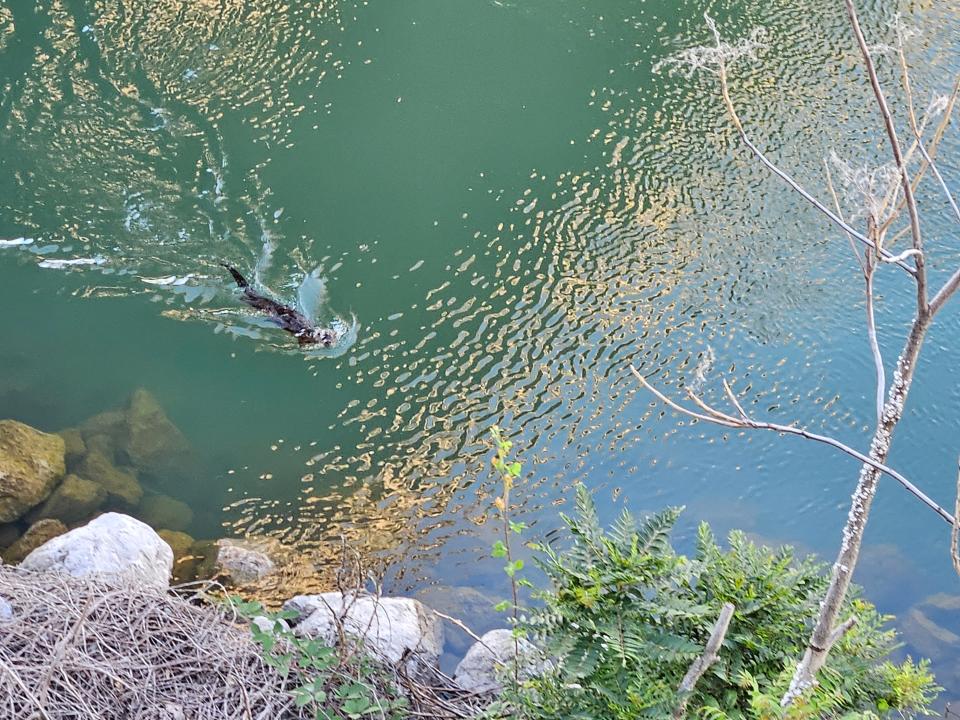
(121, 485)
(388, 628)
(152, 443)
(9, 533)
(31, 463)
(183, 560)
(178, 541)
(243, 561)
(74, 446)
(163, 511)
(115, 547)
(107, 424)
(104, 445)
(467, 604)
(37, 534)
(931, 627)
(486, 660)
(72, 501)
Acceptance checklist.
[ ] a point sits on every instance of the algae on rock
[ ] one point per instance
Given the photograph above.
(31, 463)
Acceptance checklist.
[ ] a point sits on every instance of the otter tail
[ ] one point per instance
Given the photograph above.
(241, 280)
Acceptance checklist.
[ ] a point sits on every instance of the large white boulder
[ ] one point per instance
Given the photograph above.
(113, 546)
(388, 628)
(492, 656)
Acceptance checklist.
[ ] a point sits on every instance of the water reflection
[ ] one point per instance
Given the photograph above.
(160, 140)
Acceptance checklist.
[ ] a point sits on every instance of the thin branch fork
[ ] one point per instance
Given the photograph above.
(921, 274)
(744, 422)
(783, 175)
(703, 663)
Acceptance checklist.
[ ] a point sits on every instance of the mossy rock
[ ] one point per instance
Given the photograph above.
(31, 463)
(73, 501)
(152, 443)
(163, 511)
(200, 563)
(38, 533)
(74, 446)
(121, 485)
(181, 544)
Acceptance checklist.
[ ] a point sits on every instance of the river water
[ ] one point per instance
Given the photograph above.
(507, 203)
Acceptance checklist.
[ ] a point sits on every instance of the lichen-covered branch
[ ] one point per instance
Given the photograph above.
(703, 663)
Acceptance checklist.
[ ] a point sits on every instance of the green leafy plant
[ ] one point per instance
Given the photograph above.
(331, 683)
(509, 471)
(625, 616)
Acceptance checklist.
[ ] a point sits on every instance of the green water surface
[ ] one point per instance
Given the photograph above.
(510, 204)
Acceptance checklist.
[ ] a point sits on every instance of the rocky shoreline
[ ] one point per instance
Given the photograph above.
(86, 502)
(121, 551)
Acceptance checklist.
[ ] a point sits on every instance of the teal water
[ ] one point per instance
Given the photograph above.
(510, 206)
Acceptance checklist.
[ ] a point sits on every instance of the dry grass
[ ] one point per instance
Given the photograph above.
(79, 648)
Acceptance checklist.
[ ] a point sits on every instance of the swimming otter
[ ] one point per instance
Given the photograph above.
(294, 322)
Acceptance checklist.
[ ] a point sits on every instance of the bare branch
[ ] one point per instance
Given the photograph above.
(775, 169)
(936, 172)
(734, 401)
(836, 205)
(702, 663)
(874, 344)
(934, 145)
(719, 418)
(955, 533)
(921, 275)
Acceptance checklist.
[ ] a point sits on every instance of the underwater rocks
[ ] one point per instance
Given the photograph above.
(74, 446)
(72, 501)
(37, 534)
(163, 511)
(462, 602)
(391, 628)
(120, 484)
(115, 547)
(31, 463)
(179, 542)
(141, 436)
(153, 444)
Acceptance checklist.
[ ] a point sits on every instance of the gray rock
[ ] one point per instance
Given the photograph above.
(388, 628)
(488, 659)
(243, 561)
(115, 547)
(6, 609)
(31, 463)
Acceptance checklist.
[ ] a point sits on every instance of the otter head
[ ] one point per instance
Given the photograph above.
(318, 336)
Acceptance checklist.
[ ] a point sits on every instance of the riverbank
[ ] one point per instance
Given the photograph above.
(91, 628)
